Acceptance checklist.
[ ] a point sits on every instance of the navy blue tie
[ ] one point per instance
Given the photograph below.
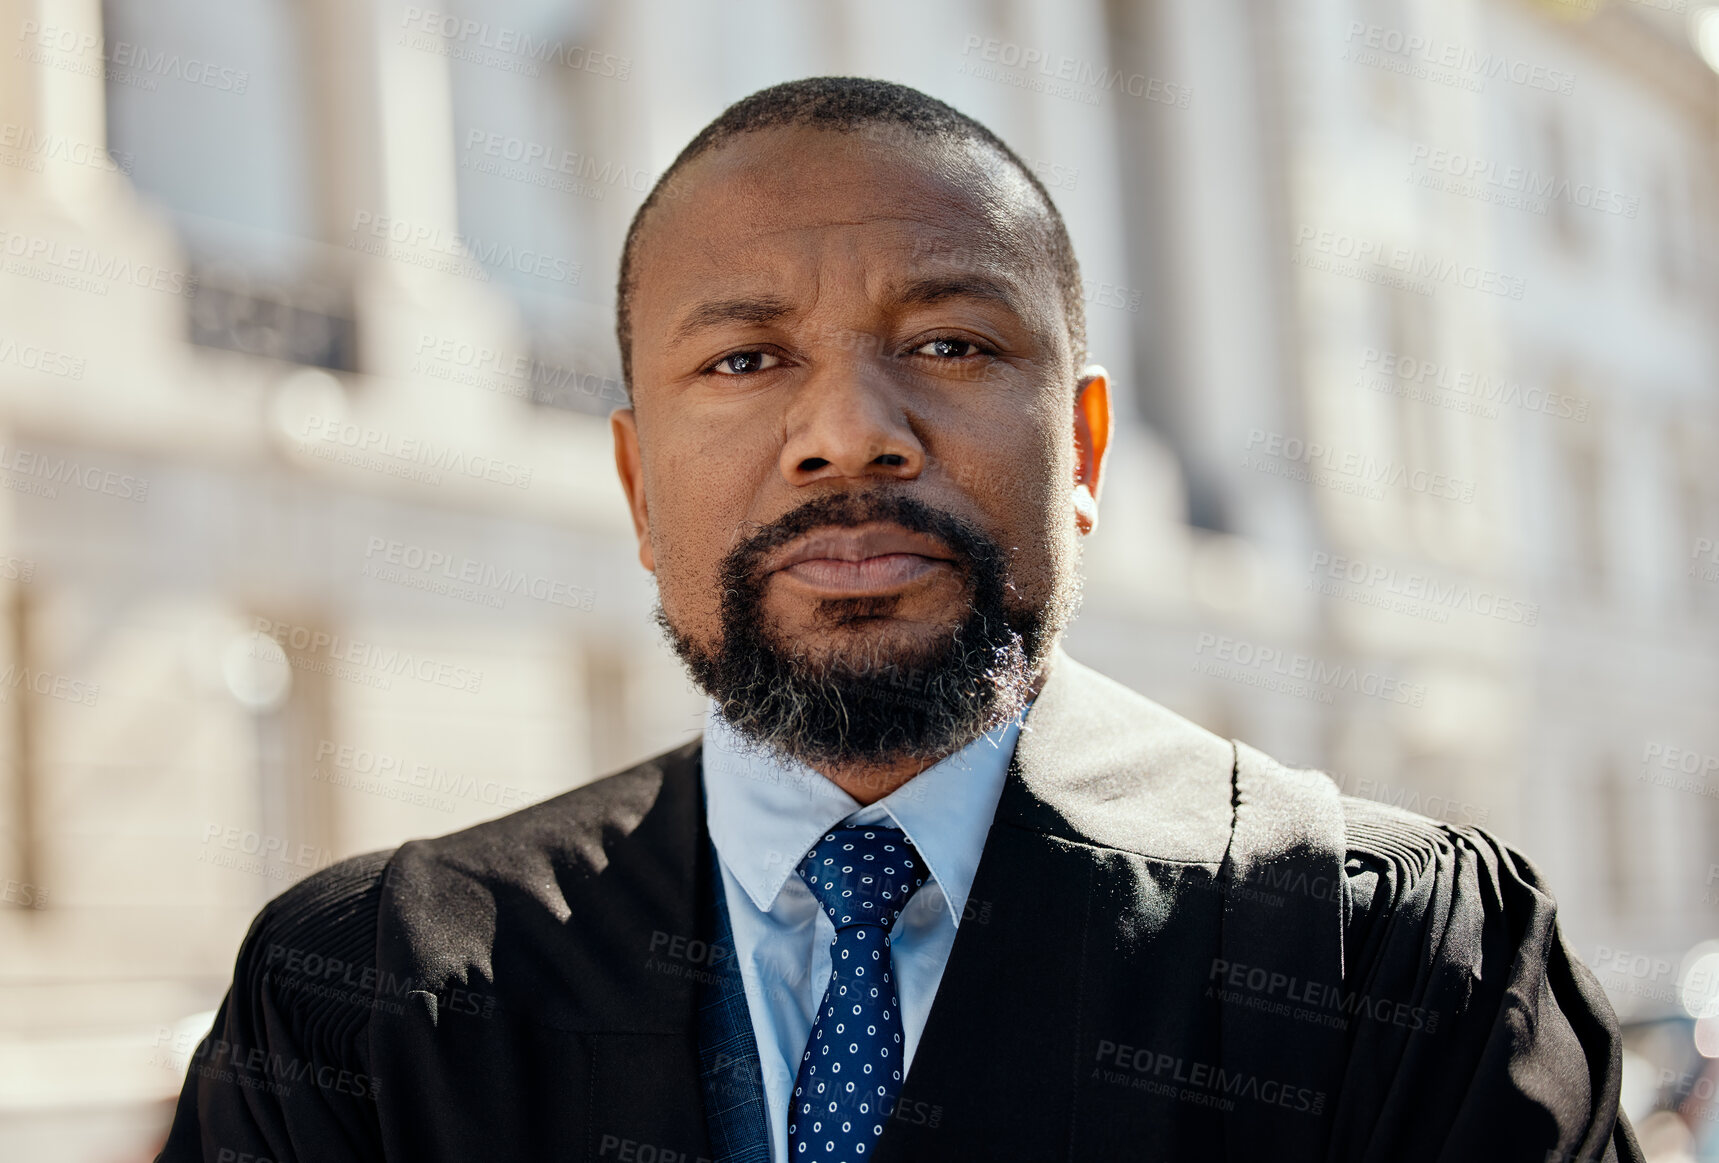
(851, 1071)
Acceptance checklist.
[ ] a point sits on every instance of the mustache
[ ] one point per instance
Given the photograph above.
(978, 557)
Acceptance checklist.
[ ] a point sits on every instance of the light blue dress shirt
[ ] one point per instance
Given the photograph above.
(765, 812)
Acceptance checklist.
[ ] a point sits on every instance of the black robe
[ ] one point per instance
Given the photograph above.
(1175, 949)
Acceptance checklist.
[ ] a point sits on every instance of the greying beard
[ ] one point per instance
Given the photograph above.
(883, 707)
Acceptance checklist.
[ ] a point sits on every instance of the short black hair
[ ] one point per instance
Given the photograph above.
(849, 105)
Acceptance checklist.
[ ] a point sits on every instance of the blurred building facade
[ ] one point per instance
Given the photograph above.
(312, 541)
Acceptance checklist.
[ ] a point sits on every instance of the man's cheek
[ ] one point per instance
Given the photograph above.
(686, 579)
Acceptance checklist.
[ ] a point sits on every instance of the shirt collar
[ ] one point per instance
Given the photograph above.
(764, 811)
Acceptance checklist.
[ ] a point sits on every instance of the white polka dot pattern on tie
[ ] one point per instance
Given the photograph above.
(863, 877)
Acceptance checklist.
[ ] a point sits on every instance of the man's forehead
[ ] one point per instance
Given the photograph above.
(800, 173)
(758, 207)
(909, 266)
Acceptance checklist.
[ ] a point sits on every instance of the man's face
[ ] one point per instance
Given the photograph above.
(826, 329)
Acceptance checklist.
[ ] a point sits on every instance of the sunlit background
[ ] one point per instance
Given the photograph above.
(310, 540)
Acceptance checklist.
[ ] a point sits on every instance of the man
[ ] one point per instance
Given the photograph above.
(927, 889)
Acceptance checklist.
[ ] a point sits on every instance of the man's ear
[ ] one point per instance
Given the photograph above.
(1091, 442)
(628, 463)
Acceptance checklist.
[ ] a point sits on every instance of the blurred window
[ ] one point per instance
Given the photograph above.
(1671, 203)
(544, 170)
(1555, 175)
(211, 102)
(1694, 451)
(1617, 836)
(1580, 489)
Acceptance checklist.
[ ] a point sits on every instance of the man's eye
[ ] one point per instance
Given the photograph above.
(744, 363)
(948, 348)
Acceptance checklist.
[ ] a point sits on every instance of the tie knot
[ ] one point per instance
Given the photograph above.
(863, 875)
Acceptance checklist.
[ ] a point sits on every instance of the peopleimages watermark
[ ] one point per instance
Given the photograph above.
(510, 373)
(1061, 75)
(46, 683)
(23, 894)
(86, 268)
(271, 857)
(1346, 472)
(366, 663)
(693, 959)
(1302, 675)
(1173, 1076)
(499, 46)
(41, 474)
(256, 1068)
(122, 62)
(440, 572)
(451, 253)
(1263, 990)
(395, 777)
(625, 1150)
(292, 969)
(411, 457)
(1641, 975)
(1511, 186)
(1414, 594)
(1102, 294)
(1429, 59)
(1476, 393)
(24, 148)
(36, 358)
(1340, 253)
(1704, 559)
(519, 159)
(413, 244)
(1442, 808)
(678, 955)
(1694, 1092)
(1632, 963)
(1055, 175)
(1710, 897)
(1681, 769)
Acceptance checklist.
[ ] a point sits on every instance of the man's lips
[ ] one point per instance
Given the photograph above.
(865, 560)
(871, 575)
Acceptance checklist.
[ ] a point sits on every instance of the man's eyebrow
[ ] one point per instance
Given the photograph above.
(718, 312)
(936, 288)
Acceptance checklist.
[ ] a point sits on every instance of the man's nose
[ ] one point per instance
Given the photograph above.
(845, 423)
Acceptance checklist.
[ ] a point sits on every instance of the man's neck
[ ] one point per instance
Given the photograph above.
(869, 782)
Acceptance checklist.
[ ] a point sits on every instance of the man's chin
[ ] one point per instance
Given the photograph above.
(861, 646)
(863, 695)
